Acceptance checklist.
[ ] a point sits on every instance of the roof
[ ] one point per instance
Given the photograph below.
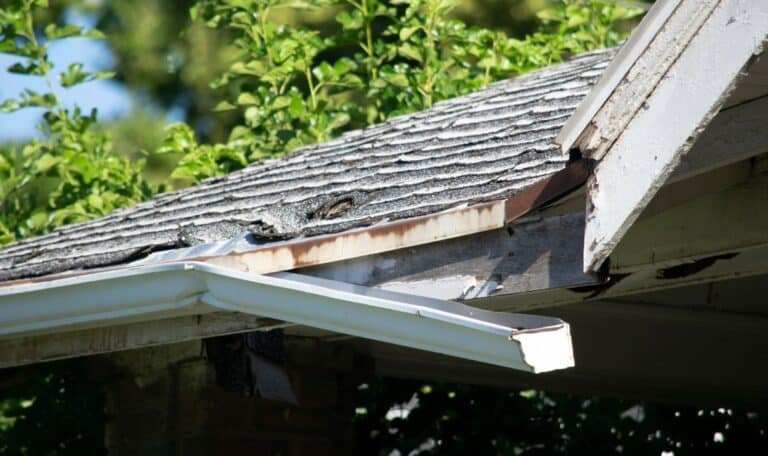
(483, 146)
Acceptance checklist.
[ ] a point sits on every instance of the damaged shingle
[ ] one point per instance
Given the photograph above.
(332, 209)
(485, 145)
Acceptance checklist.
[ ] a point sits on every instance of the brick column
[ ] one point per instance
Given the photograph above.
(165, 402)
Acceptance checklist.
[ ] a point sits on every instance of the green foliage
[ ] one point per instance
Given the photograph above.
(169, 60)
(58, 411)
(72, 174)
(580, 25)
(455, 419)
(199, 161)
(294, 86)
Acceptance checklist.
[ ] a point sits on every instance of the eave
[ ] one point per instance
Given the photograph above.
(654, 102)
(176, 290)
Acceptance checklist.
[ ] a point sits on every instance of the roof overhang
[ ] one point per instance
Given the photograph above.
(166, 292)
(653, 102)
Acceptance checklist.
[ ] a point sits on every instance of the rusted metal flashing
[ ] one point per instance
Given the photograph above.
(405, 233)
(384, 237)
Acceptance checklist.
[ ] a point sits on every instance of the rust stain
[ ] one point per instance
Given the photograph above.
(367, 241)
(457, 222)
(407, 232)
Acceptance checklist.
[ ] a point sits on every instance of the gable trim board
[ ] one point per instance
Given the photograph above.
(639, 148)
(152, 293)
(654, 20)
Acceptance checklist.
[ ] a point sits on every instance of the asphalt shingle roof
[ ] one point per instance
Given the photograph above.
(482, 146)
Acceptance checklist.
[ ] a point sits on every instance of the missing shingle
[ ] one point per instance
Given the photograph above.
(332, 209)
(262, 229)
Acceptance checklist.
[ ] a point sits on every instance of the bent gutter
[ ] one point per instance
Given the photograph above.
(152, 293)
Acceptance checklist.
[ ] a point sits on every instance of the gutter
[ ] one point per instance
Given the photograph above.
(158, 292)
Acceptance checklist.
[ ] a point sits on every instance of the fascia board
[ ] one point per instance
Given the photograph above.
(529, 343)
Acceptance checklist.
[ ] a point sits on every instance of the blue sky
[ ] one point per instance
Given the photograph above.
(109, 97)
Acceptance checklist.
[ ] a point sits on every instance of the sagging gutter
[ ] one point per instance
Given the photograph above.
(156, 292)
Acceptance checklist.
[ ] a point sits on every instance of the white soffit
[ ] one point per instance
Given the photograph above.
(648, 148)
(153, 293)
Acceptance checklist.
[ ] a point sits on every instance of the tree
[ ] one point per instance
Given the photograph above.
(287, 79)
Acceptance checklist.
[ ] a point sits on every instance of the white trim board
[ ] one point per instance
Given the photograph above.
(654, 20)
(675, 113)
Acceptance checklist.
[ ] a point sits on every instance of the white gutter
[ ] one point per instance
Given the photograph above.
(152, 293)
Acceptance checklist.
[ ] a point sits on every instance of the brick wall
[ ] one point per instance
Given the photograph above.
(165, 402)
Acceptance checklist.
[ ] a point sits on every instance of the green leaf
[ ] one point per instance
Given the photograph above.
(46, 162)
(296, 108)
(323, 72)
(350, 21)
(339, 120)
(252, 114)
(38, 220)
(32, 67)
(343, 66)
(74, 75)
(406, 32)
(34, 99)
(10, 105)
(95, 201)
(54, 32)
(247, 98)
(281, 102)
(103, 75)
(224, 106)
(95, 34)
(179, 137)
(254, 67)
(397, 79)
(411, 52)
